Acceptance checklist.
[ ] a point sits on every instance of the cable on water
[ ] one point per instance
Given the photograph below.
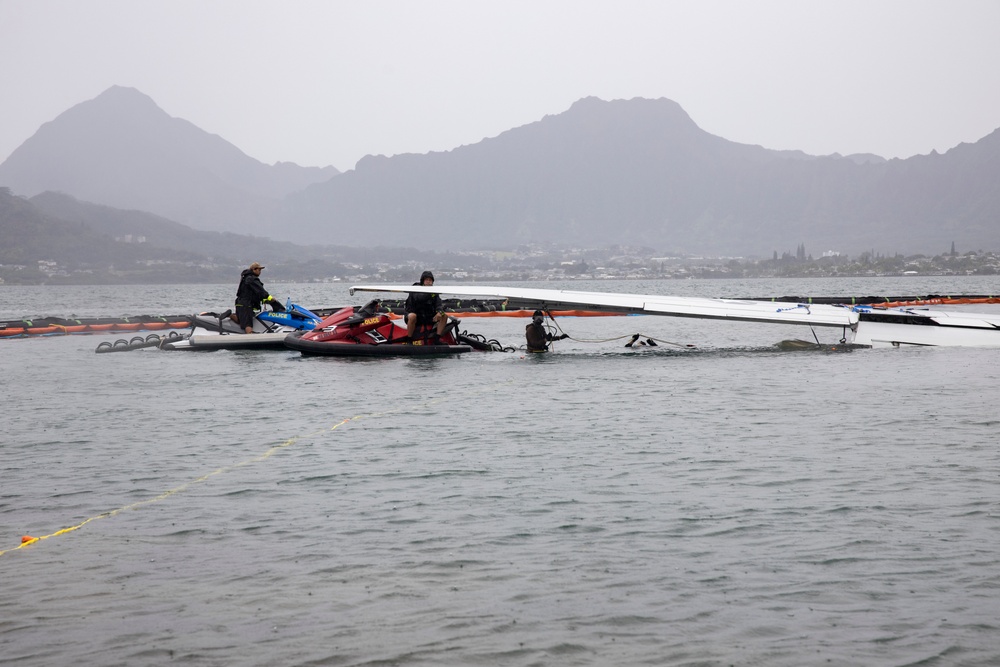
(27, 540)
(650, 340)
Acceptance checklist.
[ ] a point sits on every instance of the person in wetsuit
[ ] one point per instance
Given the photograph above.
(249, 296)
(424, 309)
(536, 335)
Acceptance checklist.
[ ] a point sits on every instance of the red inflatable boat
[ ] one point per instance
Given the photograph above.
(368, 333)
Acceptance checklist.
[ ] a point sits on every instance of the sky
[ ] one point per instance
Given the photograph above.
(326, 82)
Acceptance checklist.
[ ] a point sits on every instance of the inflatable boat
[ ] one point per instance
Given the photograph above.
(371, 333)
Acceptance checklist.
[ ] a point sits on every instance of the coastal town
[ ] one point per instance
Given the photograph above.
(522, 263)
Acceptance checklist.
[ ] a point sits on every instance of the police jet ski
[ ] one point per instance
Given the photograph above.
(862, 325)
(219, 331)
(370, 332)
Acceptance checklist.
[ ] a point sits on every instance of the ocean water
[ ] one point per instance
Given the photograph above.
(722, 504)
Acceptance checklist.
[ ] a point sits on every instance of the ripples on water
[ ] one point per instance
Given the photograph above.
(731, 504)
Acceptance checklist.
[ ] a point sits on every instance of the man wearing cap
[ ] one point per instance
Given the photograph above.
(424, 309)
(538, 338)
(249, 296)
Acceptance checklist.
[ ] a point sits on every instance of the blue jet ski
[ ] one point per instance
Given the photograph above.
(220, 331)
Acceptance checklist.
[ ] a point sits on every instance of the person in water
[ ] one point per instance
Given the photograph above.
(249, 296)
(424, 309)
(635, 342)
(536, 335)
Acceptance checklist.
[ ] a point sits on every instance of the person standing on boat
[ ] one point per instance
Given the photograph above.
(424, 309)
(536, 335)
(249, 296)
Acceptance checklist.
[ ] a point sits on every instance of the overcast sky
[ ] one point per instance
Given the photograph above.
(327, 82)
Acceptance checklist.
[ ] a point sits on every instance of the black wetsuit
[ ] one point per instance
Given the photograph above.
(538, 338)
(249, 295)
(426, 306)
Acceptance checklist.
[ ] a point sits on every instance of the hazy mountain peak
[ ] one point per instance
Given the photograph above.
(662, 113)
(117, 111)
(123, 98)
(121, 149)
(660, 106)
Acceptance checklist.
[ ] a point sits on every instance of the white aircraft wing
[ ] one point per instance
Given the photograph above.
(647, 304)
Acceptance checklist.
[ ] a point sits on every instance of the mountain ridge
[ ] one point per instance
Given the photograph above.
(636, 172)
(642, 172)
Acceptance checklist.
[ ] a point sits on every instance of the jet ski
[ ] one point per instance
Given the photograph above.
(219, 331)
(370, 333)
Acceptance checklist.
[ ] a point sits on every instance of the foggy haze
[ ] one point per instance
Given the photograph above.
(326, 83)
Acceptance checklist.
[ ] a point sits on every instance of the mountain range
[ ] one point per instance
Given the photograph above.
(637, 172)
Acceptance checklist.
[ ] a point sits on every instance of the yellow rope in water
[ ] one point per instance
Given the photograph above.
(25, 541)
(28, 540)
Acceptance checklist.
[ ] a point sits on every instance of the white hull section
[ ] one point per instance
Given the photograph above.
(230, 341)
(909, 326)
(210, 333)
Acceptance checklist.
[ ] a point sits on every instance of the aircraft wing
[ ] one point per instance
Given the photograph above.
(643, 304)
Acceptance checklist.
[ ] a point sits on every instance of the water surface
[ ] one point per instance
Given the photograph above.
(728, 504)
